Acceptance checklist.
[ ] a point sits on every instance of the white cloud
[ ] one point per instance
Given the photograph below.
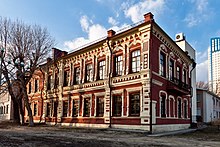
(84, 22)
(94, 32)
(202, 71)
(136, 11)
(199, 12)
(112, 21)
(202, 56)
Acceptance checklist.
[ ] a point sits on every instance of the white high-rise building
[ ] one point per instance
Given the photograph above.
(185, 46)
(214, 65)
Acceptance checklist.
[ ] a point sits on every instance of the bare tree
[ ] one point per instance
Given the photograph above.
(26, 47)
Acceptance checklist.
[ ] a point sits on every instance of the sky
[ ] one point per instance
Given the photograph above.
(73, 23)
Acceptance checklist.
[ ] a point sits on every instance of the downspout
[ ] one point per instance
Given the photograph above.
(151, 47)
(109, 83)
(191, 91)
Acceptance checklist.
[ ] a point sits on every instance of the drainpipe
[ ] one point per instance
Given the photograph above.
(109, 83)
(151, 118)
(191, 91)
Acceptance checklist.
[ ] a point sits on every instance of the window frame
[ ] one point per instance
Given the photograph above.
(76, 75)
(101, 69)
(87, 105)
(99, 107)
(118, 65)
(117, 106)
(135, 61)
(163, 106)
(65, 108)
(162, 64)
(133, 104)
(75, 110)
(171, 70)
(89, 73)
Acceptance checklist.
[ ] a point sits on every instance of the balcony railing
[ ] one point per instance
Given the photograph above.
(177, 84)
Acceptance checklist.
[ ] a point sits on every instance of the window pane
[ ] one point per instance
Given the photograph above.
(117, 105)
(75, 108)
(65, 108)
(87, 107)
(134, 105)
(135, 65)
(100, 107)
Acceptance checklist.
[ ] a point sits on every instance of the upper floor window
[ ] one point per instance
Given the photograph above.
(56, 81)
(36, 85)
(29, 87)
(117, 105)
(89, 73)
(162, 71)
(134, 106)
(49, 82)
(135, 61)
(118, 65)
(184, 76)
(76, 75)
(66, 78)
(171, 70)
(101, 69)
(178, 73)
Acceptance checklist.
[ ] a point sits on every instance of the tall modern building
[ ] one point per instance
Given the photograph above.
(214, 65)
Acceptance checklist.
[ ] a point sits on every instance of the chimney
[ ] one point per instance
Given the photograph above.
(148, 17)
(49, 59)
(111, 33)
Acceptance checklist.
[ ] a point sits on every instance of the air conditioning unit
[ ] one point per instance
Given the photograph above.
(180, 37)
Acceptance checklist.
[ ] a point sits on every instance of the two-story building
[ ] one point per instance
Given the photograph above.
(137, 79)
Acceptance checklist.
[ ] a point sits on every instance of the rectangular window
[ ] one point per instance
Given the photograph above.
(55, 109)
(101, 70)
(7, 107)
(178, 74)
(89, 73)
(118, 65)
(117, 105)
(184, 76)
(87, 107)
(75, 108)
(163, 106)
(135, 61)
(49, 82)
(36, 84)
(185, 109)
(29, 87)
(100, 107)
(77, 75)
(179, 108)
(66, 78)
(65, 108)
(171, 70)
(48, 110)
(134, 106)
(56, 82)
(162, 71)
(35, 109)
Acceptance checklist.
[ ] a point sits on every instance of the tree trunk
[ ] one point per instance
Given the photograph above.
(21, 111)
(16, 117)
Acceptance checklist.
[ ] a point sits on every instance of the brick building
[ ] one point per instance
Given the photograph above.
(136, 79)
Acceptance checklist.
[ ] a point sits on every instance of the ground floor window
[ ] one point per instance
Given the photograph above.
(117, 105)
(65, 108)
(179, 107)
(48, 110)
(100, 107)
(75, 108)
(163, 106)
(185, 109)
(134, 107)
(87, 107)
(35, 109)
(55, 109)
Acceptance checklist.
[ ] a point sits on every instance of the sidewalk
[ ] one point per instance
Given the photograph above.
(172, 133)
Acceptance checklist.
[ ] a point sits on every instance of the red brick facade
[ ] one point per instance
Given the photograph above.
(124, 88)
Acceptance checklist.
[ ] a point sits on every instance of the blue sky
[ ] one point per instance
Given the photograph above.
(73, 23)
